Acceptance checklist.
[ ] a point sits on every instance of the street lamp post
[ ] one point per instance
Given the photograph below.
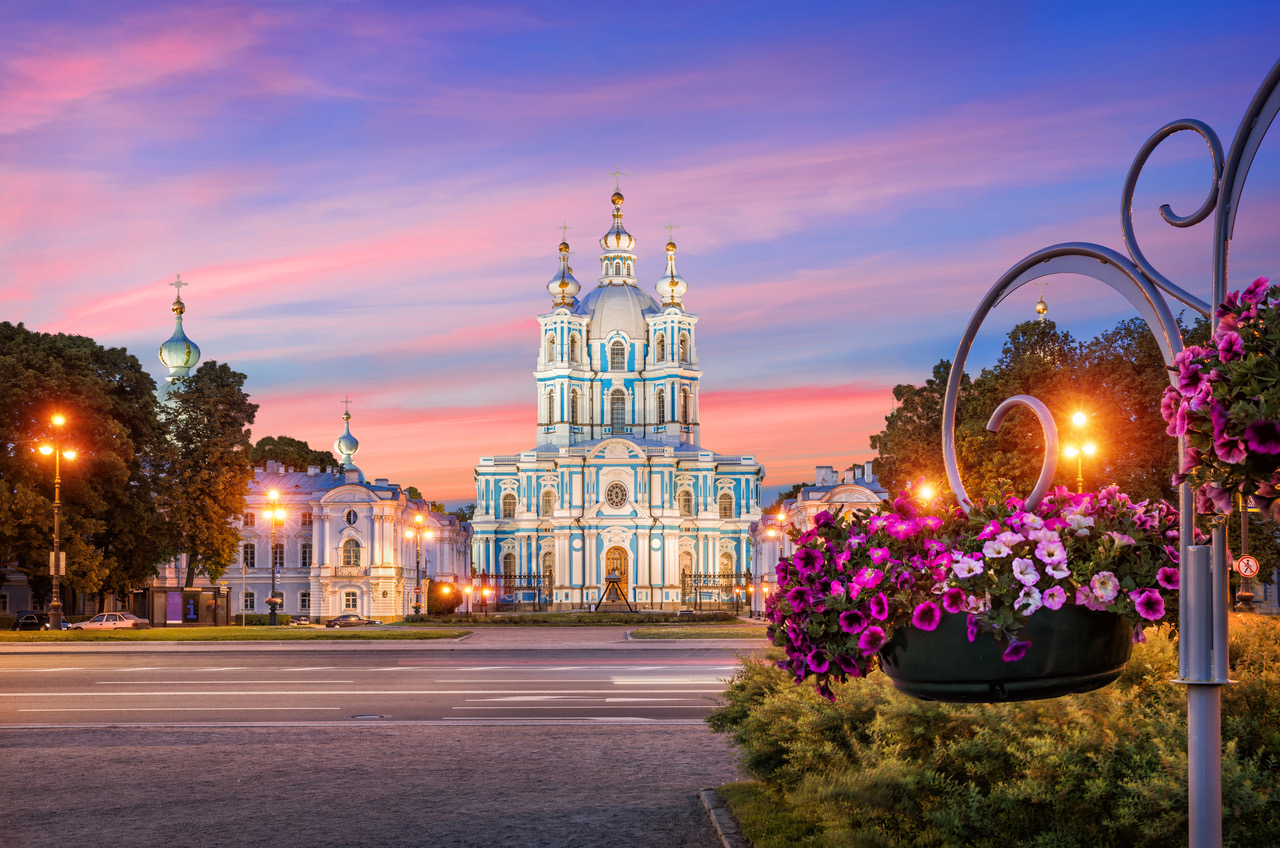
(1078, 453)
(59, 450)
(275, 515)
(417, 532)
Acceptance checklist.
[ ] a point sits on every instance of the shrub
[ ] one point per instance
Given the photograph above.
(261, 619)
(1103, 768)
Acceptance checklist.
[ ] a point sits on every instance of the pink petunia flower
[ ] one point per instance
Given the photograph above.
(871, 640)
(852, 621)
(1054, 597)
(1024, 570)
(995, 549)
(880, 606)
(1051, 553)
(1168, 577)
(926, 616)
(1015, 651)
(953, 599)
(966, 566)
(1149, 603)
(1029, 600)
(1105, 586)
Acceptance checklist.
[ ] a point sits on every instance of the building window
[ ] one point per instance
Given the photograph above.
(509, 505)
(277, 555)
(573, 348)
(685, 501)
(551, 406)
(247, 521)
(617, 356)
(573, 406)
(615, 561)
(684, 406)
(548, 570)
(351, 517)
(684, 347)
(249, 556)
(249, 600)
(306, 519)
(304, 602)
(350, 600)
(660, 347)
(351, 553)
(726, 564)
(726, 505)
(304, 555)
(616, 495)
(686, 564)
(509, 566)
(618, 411)
(4, 602)
(551, 350)
(660, 401)
(548, 502)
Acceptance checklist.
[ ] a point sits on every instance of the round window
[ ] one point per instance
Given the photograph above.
(616, 495)
(351, 516)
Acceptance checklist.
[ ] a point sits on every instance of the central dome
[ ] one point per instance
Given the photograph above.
(621, 308)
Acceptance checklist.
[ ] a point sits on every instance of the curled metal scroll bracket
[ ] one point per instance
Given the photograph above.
(1049, 466)
(1210, 203)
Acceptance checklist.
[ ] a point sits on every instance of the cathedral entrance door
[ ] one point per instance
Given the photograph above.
(614, 596)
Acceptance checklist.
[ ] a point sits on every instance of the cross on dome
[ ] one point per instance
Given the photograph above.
(616, 173)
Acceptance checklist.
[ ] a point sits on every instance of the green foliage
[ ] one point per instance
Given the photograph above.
(789, 494)
(207, 469)
(109, 525)
(1103, 768)
(767, 819)
(465, 513)
(289, 452)
(260, 619)
(1116, 379)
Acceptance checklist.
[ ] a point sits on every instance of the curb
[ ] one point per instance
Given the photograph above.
(723, 821)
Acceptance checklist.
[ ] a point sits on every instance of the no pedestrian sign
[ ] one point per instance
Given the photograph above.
(1247, 566)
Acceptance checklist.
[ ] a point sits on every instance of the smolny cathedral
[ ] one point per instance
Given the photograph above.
(617, 501)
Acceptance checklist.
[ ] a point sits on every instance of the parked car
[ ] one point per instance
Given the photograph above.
(112, 621)
(31, 620)
(349, 619)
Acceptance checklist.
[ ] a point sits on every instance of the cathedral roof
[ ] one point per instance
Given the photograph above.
(614, 307)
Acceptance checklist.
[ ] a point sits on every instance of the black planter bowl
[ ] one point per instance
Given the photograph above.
(1072, 650)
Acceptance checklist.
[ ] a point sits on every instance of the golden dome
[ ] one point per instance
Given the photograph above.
(178, 307)
(671, 247)
(564, 247)
(617, 198)
(1041, 306)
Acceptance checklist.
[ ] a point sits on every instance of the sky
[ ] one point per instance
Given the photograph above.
(365, 197)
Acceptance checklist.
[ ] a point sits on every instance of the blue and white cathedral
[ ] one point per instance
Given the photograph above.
(617, 482)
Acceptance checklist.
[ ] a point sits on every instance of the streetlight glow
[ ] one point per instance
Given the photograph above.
(46, 449)
(926, 492)
(59, 420)
(1089, 449)
(1079, 419)
(1070, 451)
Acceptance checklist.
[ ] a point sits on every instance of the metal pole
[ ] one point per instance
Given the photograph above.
(271, 602)
(55, 605)
(1080, 472)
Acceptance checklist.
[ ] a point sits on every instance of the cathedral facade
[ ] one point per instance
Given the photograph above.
(617, 490)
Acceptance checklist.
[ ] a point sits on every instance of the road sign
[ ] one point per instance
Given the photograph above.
(58, 567)
(417, 590)
(1247, 566)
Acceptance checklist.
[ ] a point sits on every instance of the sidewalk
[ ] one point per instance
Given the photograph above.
(481, 638)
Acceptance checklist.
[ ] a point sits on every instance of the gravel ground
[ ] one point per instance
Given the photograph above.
(620, 786)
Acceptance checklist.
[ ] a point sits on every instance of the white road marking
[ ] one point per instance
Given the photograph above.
(257, 693)
(578, 706)
(208, 682)
(165, 709)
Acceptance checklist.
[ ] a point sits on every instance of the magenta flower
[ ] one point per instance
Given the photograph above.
(971, 627)
(818, 661)
(1024, 570)
(953, 600)
(1029, 600)
(1139, 635)
(879, 556)
(1256, 292)
(1230, 451)
(1016, 650)
(930, 522)
(871, 640)
(1105, 586)
(966, 566)
(823, 519)
(1121, 539)
(1168, 577)
(1148, 603)
(902, 529)
(852, 621)
(1230, 346)
(990, 531)
(880, 606)
(926, 616)
(1263, 436)
(869, 578)
(1054, 597)
(1051, 553)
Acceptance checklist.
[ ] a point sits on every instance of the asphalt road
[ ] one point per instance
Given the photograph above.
(515, 738)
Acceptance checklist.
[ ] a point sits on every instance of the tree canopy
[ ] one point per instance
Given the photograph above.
(289, 452)
(206, 466)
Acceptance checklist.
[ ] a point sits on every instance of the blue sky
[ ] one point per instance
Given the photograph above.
(365, 196)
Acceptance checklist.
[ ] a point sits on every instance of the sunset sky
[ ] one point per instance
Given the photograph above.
(365, 196)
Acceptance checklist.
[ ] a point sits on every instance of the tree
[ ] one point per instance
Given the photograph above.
(289, 452)
(793, 492)
(109, 525)
(207, 466)
(465, 513)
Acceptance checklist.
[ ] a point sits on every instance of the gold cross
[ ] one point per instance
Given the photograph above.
(346, 403)
(178, 284)
(563, 228)
(669, 227)
(616, 173)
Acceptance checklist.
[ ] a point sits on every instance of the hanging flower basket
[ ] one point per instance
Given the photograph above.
(1001, 603)
(1227, 405)
(1070, 650)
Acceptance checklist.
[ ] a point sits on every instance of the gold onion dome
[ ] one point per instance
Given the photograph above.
(672, 286)
(617, 239)
(179, 354)
(563, 287)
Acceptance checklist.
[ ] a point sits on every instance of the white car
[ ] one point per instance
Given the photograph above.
(111, 621)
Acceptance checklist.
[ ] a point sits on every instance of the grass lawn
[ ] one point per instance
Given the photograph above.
(228, 634)
(767, 820)
(578, 619)
(705, 631)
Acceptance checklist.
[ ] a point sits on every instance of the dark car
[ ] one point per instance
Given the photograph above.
(349, 620)
(30, 620)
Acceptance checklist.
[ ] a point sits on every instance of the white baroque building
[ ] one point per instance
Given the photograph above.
(617, 481)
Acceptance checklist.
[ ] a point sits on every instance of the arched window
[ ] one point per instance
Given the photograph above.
(548, 501)
(509, 505)
(250, 599)
(573, 348)
(548, 568)
(617, 267)
(628, 269)
(684, 406)
(618, 411)
(686, 564)
(684, 347)
(617, 356)
(726, 564)
(615, 562)
(573, 406)
(304, 552)
(277, 555)
(726, 505)
(551, 406)
(660, 401)
(660, 347)
(351, 553)
(508, 565)
(551, 350)
(685, 501)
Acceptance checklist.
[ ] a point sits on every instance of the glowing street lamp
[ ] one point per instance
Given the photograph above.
(56, 563)
(927, 492)
(276, 515)
(417, 532)
(1079, 419)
